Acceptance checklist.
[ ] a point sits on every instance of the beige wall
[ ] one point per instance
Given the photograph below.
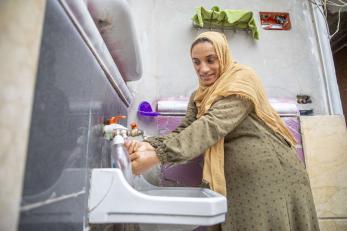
(325, 145)
(288, 62)
(20, 35)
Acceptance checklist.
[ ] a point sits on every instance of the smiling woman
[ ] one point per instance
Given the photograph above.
(205, 62)
(249, 154)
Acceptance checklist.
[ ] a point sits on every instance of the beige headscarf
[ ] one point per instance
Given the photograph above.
(235, 79)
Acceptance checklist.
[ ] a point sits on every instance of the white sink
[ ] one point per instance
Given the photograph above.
(113, 200)
(178, 192)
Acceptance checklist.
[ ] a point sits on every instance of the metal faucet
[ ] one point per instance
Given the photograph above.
(116, 155)
(112, 128)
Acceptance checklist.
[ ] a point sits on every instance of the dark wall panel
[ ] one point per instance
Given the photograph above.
(72, 99)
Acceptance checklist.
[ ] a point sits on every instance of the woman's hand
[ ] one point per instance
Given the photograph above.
(142, 156)
(133, 146)
(144, 161)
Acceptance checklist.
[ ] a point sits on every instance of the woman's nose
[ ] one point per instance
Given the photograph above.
(204, 68)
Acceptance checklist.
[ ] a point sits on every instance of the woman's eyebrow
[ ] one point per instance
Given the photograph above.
(211, 56)
(208, 56)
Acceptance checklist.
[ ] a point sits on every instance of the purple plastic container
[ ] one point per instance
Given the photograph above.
(145, 109)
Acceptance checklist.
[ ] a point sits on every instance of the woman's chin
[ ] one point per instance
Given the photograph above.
(206, 83)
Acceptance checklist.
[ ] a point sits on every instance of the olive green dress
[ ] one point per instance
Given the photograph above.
(267, 185)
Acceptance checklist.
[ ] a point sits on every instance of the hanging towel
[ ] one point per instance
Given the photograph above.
(225, 19)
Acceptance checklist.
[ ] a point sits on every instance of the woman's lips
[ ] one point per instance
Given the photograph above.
(208, 77)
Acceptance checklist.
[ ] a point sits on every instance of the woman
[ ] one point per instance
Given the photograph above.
(230, 119)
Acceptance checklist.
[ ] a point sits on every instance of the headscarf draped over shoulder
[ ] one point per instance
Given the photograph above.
(242, 81)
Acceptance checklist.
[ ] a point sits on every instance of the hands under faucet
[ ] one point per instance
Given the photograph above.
(142, 156)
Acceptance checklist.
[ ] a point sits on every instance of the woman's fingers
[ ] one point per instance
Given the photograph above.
(130, 145)
(127, 144)
(135, 146)
(133, 156)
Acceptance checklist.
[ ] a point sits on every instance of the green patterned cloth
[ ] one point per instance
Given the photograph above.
(225, 19)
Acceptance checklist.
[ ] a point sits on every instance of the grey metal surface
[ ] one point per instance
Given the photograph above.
(72, 98)
(81, 18)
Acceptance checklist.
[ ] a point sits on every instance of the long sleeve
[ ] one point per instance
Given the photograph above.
(223, 116)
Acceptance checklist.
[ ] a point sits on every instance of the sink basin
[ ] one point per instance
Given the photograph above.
(178, 192)
(113, 200)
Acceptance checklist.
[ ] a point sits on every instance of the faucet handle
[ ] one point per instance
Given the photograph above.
(115, 119)
(112, 127)
(134, 125)
(135, 131)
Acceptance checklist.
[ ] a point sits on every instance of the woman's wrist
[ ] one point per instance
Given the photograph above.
(155, 159)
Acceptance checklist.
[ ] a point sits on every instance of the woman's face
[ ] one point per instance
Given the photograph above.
(206, 63)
